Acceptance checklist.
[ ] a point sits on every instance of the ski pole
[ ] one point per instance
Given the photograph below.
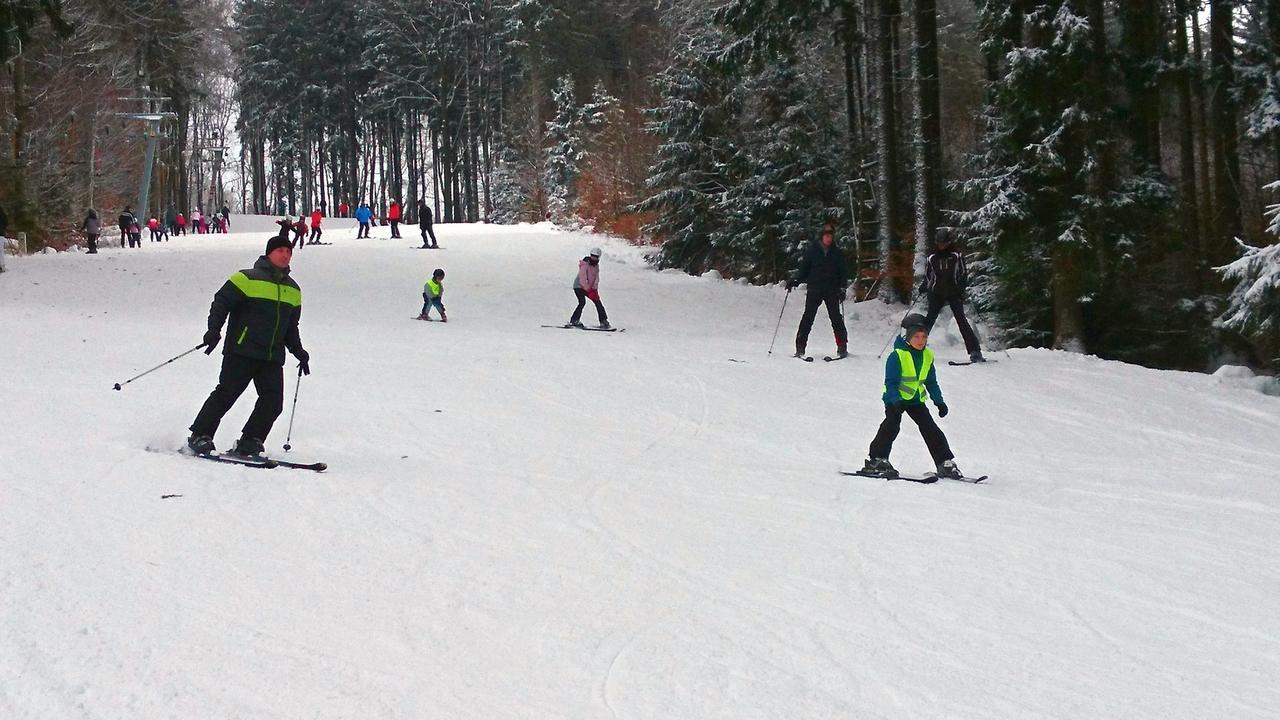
(121, 385)
(289, 436)
(779, 325)
(886, 345)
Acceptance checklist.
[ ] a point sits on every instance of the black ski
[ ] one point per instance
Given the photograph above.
(962, 478)
(926, 479)
(806, 358)
(833, 358)
(423, 247)
(317, 467)
(230, 459)
(584, 327)
(957, 363)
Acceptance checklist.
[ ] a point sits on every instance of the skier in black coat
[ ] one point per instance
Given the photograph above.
(945, 279)
(424, 224)
(824, 270)
(264, 305)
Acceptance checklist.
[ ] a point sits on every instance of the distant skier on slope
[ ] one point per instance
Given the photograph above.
(433, 296)
(363, 216)
(945, 279)
(424, 225)
(908, 373)
(823, 269)
(316, 217)
(393, 215)
(586, 286)
(264, 305)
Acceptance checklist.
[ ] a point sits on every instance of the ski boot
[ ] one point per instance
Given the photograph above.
(576, 323)
(249, 448)
(976, 357)
(604, 325)
(879, 467)
(443, 317)
(948, 469)
(201, 444)
(842, 352)
(423, 316)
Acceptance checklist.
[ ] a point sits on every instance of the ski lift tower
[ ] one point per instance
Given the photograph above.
(152, 117)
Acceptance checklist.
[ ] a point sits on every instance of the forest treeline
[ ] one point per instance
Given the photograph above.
(1101, 159)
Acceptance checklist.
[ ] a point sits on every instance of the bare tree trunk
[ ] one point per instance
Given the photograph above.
(1226, 154)
(896, 260)
(928, 124)
(1186, 135)
(1202, 108)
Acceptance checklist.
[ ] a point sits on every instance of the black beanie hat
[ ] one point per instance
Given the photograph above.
(277, 242)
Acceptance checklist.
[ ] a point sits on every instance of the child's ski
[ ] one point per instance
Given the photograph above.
(909, 478)
(317, 467)
(833, 358)
(962, 478)
(958, 363)
(584, 327)
(806, 358)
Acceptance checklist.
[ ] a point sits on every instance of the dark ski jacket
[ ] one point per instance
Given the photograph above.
(945, 275)
(264, 305)
(892, 392)
(823, 269)
(424, 213)
(91, 224)
(126, 221)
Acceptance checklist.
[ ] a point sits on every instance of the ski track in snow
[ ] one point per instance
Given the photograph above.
(518, 523)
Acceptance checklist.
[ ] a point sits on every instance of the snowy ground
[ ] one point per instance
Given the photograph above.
(522, 522)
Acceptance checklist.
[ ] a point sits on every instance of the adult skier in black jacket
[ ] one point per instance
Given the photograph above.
(945, 279)
(823, 269)
(264, 305)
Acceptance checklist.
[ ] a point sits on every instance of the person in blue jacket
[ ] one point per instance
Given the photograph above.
(909, 373)
(363, 216)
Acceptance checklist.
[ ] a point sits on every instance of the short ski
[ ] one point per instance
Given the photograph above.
(231, 459)
(833, 358)
(909, 478)
(958, 363)
(317, 467)
(806, 358)
(416, 317)
(584, 327)
(962, 478)
(424, 247)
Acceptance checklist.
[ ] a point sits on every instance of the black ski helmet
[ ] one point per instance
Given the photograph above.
(945, 237)
(437, 273)
(912, 322)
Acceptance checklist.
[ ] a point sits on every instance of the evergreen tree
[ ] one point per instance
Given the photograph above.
(565, 151)
(1254, 304)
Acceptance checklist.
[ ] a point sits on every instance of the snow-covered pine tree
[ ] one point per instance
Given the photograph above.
(1254, 304)
(564, 152)
(782, 175)
(693, 119)
(1056, 218)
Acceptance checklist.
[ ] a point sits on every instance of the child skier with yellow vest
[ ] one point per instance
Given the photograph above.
(908, 374)
(432, 293)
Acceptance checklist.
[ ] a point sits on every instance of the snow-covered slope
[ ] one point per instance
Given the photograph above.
(523, 522)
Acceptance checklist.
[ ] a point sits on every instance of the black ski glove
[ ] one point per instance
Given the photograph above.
(304, 361)
(790, 284)
(211, 339)
(942, 410)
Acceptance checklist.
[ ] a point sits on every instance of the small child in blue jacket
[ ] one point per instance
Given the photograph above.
(432, 293)
(908, 374)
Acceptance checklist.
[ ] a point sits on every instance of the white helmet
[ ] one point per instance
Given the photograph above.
(595, 251)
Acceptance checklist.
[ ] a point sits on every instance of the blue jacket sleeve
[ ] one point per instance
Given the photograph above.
(892, 379)
(931, 385)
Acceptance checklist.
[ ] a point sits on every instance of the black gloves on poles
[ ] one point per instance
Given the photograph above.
(211, 339)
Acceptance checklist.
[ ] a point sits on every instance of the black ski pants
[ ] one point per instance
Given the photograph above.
(882, 445)
(315, 235)
(811, 303)
(426, 230)
(582, 302)
(395, 228)
(956, 303)
(237, 372)
(93, 242)
(363, 232)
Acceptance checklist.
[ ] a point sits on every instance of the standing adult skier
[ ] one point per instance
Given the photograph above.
(393, 215)
(424, 224)
(823, 269)
(945, 279)
(316, 217)
(363, 216)
(264, 305)
(92, 228)
(586, 285)
(909, 373)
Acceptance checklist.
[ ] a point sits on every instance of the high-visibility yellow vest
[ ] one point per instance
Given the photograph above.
(911, 386)
(434, 288)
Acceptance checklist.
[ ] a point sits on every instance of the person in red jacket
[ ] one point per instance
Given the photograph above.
(182, 224)
(343, 209)
(300, 231)
(316, 215)
(393, 214)
(154, 226)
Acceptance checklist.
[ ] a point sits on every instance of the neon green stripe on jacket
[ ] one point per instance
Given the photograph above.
(266, 290)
